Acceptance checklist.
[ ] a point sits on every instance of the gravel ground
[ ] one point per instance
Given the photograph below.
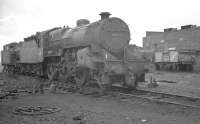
(181, 83)
(90, 110)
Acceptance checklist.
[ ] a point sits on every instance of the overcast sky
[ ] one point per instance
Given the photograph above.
(21, 18)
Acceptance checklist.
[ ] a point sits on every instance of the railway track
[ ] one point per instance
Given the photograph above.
(151, 96)
(167, 99)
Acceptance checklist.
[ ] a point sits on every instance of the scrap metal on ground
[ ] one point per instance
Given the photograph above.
(35, 110)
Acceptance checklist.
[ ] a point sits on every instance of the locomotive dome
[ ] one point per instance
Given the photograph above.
(82, 22)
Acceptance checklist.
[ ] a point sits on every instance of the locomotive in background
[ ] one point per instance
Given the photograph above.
(91, 52)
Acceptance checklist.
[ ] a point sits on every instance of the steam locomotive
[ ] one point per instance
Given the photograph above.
(96, 52)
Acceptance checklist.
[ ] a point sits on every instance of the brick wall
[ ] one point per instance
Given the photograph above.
(180, 39)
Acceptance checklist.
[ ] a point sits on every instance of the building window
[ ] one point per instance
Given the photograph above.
(155, 46)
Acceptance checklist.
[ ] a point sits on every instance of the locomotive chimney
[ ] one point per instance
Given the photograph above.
(104, 15)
